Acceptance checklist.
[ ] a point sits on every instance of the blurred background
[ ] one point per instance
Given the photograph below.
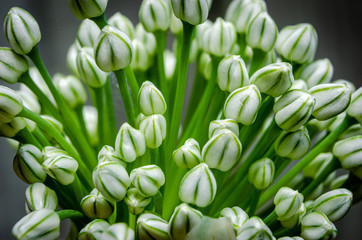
(338, 24)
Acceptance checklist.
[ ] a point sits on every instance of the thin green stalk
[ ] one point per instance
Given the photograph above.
(133, 85)
(40, 137)
(257, 61)
(161, 44)
(66, 198)
(101, 21)
(26, 135)
(271, 218)
(110, 114)
(242, 47)
(102, 125)
(132, 221)
(158, 202)
(68, 213)
(79, 111)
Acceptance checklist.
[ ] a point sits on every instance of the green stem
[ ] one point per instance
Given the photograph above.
(69, 213)
(158, 202)
(101, 21)
(161, 43)
(40, 137)
(79, 111)
(242, 47)
(110, 115)
(102, 125)
(132, 221)
(26, 135)
(271, 218)
(133, 85)
(257, 61)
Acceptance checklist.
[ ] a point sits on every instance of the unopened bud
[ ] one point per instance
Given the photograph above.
(293, 145)
(155, 15)
(232, 73)
(10, 104)
(87, 34)
(118, 231)
(12, 65)
(261, 173)
(316, 225)
(317, 72)
(188, 155)
(194, 12)
(39, 196)
(154, 129)
(87, 8)
(151, 100)
(122, 23)
(255, 227)
(10, 129)
(108, 154)
(150, 226)
(148, 179)
(354, 108)
(316, 166)
(287, 203)
(71, 89)
(62, 168)
(237, 216)
(219, 125)
(94, 205)
(136, 201)
(93, 230)
(349, 152)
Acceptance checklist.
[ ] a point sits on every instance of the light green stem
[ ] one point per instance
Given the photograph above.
(161, 44)
(26, 136)
(40, 137)
(101, 21)
(68, 213)
(102, 125)
(110, 115)
(133, 85)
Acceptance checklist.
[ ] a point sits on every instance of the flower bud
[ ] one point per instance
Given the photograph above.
(205, 65)
(108, 154)
(72, 59)
(12, 128)
(293, 145)
(317, 72)
(30, 100)
(52, 152)
(112, 180)
(39, 196)
(90, 116)
(212, 228)
(169, 64)
(334, 204)
(317, 165)
(130, 143)
(219, 38)
(297, 43)
(40, 224)
(71, 89)
(261, 173)
(354, 108)
(232, 73)
(155, 15)
(349, 152)
(316, 225)
(148, 39)
(141, 57)
(93, 230)
(274, 79)
(353, 130)
(122, 23)
(148, 179)
(12, 65)
(136, 202)
(88, 69)
(10, 104)
(27, 164)
(198, 186)
(200, 31)
(338, 181)
(118, 231)
(87, 34)
(55, 123)
(82, 9)
(243, 104)
(62, 168)
(299, 84)
(218, 126)
(194, 12)
(287, 203)
(293, 109)
(176, 26)
(222, 151)
(21, 30)
(262, 32)
(94, 205)
(150, 226)
(295, 219)
(255, 227)
(151, 100)
(154, 129)
(188, 155)
(237, 216)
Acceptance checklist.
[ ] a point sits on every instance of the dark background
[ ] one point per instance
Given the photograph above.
(338, 24)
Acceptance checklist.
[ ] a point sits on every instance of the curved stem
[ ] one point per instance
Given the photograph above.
(101, 21)
(26, 135)
(40, 137)
(69, 213)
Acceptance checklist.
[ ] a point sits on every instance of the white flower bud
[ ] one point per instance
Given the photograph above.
(151, 100)
(188, 155)
(27, 164)
(219, 38)
(243, 104)
(316, 225)
(349, 152)
(87, 34)
(154, 129)
(176, 26)
(108, 154)
(141, 57)
(40, 224)
(198, 186)
(12, 65)
(338, 181)
(62, 168)
(237, 216)
(295, 219)
(148, 179)
(90, 116)
(130, 143)
(94, 205)
(262, 32)
(10, 129)
(52, 152)
(255, 227)
(299, 84)
(155, 15)
(112, 180)
(122, 23)
(30, 100)
(293, 109)
(232, 73)
(317, 72)
(148, 39)
(82, 9)
(136, 202)
(287, 203)
(71, 89)
(72, 59)
(205, 65)
(200, 31)
(293, 145)
(21, 30)
(354, 108)
(93, 230)
(212, 228)
(274, 79)
(10, 104)
(316, 166)
(150, 226)
(261, 173)
(170, 64)
(194, 12)
(118, 231)
(219, 125)
(39, 196)
(297, 43)
(222, 151)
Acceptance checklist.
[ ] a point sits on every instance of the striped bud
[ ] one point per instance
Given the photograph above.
(295, 219)
(148, 39)
(87, 34)
(94, 205)
(136, 201)
(236, 215)
(255, 227)
(52, 152)
(194, 12)
(12, 65)
(108, 154)
(82, 9)
(293, 145)
(88, 69)
(338, 182)
(118, 231)
(169, 64)
(299, 84)
(154, 129)
(151, 100)
(205, 65)
(141, 57)
(71, 89)
(155, 15)
(176, 26)
(72, 59)
(261, 173)
(354, 108)
(317, 72)
(21, 30)
(112, 180)
(27, 164)
(297, 43)
(262, 32)
(10, 104)
(130, 143)
(316, 225)
(148, 179)
(188, 155)
(349, 152)
(222, 151)
(30, 100)
(232, 73)
(183, 220)
(93, 230)
(198, 186)
(212, 228)
(293, 109)
(122, 23)
(243, 104)
(317, 165)
(39, 196)
(200, 31)
(217, 126)
(10, 129)
(287, 203)
(274, 79)
(62, 168)
(40, 224)
(150, 226)
(90, 116)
